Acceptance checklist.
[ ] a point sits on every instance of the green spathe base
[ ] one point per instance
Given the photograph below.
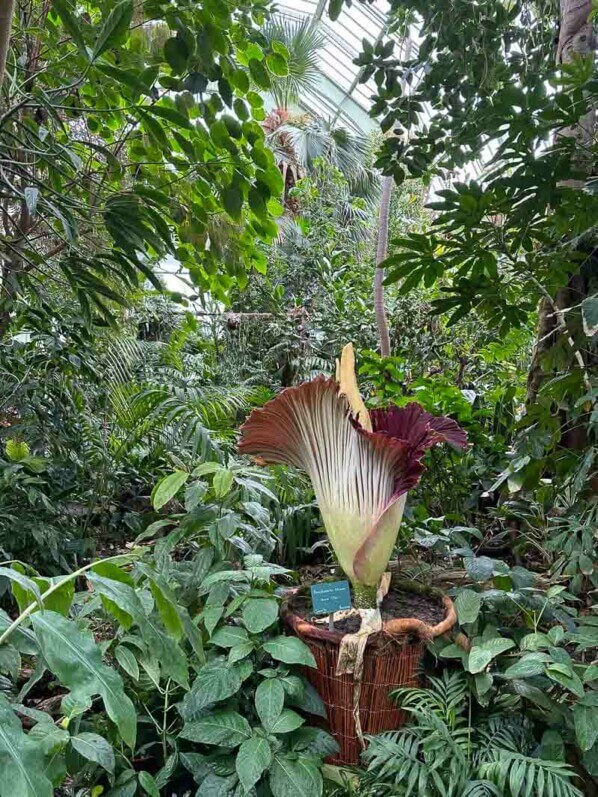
(364, 596)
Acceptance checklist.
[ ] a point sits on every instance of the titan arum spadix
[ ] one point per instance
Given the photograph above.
(361, 464)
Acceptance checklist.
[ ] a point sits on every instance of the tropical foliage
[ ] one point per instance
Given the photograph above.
(182, 236)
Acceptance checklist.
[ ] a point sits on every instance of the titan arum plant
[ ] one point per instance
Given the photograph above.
(361, 464)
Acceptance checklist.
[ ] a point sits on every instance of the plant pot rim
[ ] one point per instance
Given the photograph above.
(396, 627)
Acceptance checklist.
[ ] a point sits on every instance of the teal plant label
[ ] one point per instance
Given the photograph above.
(330, 596)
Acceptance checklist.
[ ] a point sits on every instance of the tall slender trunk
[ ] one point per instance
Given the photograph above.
(381, 250)
(6, 11)
(7, 8)
(576, 40)
(382, 241)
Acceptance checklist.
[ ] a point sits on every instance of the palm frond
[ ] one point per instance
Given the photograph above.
(515, 774)
(303, 40)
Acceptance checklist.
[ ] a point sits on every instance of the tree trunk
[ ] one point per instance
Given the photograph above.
(381, 250)
(576, 40)
(382, 242)
(6, 12)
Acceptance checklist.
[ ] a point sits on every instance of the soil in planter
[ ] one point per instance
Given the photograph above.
(396, 605)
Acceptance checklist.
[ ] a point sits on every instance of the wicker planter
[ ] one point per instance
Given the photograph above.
(391, 660)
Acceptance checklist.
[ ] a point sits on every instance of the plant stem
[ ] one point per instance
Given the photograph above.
(33, 606)
(364, 596)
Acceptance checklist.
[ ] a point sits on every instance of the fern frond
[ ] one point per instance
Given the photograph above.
(518, 775)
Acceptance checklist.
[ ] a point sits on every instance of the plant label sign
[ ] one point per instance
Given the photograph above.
(330, 597)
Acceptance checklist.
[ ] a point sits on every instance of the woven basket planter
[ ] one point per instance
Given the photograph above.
(392, 659)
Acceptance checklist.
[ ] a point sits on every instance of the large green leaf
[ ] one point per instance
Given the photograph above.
(168, 487)
(287, 721)
(290, 650)
(585, 716)
(253, 758)
(75, 659)
(22, 765)
(94, 748)
(481, 655)
(72, 25)
(214, 682)
(269, 700)
(468, 604)
(114, 27)
(229, 636)
(166, 602)
(259, 614)
(299, 777)
(226, 728)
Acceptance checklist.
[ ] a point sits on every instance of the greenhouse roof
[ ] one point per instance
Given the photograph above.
(340, 94)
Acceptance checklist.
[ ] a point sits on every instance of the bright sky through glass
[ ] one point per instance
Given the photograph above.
(339, 91)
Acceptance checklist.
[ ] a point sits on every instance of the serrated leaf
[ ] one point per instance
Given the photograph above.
(94, 748)
(290, 650)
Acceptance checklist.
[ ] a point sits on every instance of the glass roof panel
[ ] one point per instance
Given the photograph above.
(339, 94)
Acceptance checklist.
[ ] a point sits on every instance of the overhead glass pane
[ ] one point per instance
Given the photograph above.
(338, 93)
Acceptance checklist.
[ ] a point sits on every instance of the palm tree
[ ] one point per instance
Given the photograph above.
(299, 139)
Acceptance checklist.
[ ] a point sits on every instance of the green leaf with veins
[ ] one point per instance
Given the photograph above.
(22, 764)
(269, 701)
(253, 759)
(75, 659)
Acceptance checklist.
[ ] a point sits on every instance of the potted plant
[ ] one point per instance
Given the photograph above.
(361, 466)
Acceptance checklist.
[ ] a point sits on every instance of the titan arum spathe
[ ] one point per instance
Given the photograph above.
(360, 467)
